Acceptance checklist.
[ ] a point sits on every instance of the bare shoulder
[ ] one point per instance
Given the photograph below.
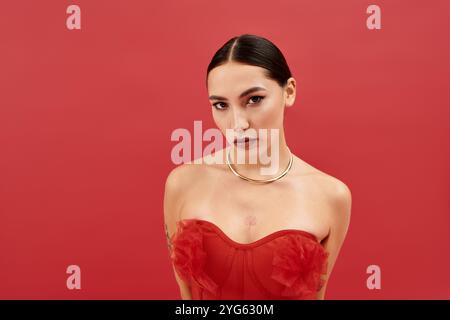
(176, 183)
(338, 197)
(187, 176)
(334, 191)
(183, 182)
(178, 176)
(189, 173)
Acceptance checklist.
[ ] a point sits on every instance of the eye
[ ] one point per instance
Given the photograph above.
(260, 98)
(216, 105)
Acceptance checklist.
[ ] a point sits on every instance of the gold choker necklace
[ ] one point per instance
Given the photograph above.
(291, 160)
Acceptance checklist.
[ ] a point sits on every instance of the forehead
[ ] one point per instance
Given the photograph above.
(233, 78)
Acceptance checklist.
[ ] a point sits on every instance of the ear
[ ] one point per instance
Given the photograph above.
(290, 91)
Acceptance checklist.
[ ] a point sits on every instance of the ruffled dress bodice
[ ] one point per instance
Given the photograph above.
(287, 264)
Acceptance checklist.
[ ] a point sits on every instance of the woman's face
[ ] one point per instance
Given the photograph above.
(243, 97)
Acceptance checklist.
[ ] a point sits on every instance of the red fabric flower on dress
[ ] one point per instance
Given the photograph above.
(298, 265)
(188, 255)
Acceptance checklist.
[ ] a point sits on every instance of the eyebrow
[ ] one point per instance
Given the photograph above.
(243, 94)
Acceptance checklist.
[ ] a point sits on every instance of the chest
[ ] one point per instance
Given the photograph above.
(248, 212)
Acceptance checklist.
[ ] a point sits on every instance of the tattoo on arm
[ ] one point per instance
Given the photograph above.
(169, 242)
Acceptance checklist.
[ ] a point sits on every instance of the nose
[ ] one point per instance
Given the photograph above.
(239, 121)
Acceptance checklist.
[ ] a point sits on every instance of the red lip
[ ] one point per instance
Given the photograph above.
(244, 140)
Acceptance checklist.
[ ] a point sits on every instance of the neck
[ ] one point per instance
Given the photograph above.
(265, 163)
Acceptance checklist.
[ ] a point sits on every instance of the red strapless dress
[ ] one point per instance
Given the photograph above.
(287, 264)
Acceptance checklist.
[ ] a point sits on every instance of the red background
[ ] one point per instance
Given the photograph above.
(86, 117)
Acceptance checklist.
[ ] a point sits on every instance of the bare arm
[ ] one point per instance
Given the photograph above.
(340, 221)
(171, 211)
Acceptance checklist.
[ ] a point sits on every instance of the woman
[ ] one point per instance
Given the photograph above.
(233, 232)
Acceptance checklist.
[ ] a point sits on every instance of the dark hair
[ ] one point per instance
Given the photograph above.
(253, 50)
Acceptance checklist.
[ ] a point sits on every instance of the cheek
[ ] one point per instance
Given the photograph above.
(268, 116)
(220, 121)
